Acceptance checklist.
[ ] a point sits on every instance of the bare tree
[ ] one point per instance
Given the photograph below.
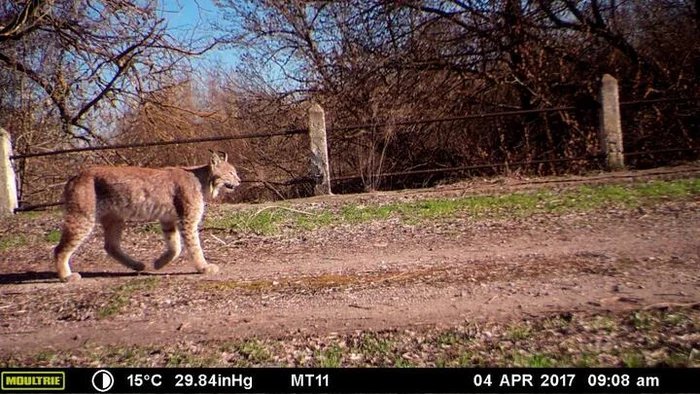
(367, 63)
(71, 69)
(83, 55)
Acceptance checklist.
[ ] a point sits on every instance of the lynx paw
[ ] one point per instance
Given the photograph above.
(74, 277)
(209, 269)
(138, 266)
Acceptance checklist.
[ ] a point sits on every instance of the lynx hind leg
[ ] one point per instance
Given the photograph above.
(113, 236)
(171, 237)
(75, 229)
(190, 236)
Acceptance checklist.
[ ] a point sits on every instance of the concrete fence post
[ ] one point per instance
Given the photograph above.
(8, 186)
(319, 151)
(610, 124)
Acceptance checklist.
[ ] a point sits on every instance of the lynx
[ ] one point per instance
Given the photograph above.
(175, 196)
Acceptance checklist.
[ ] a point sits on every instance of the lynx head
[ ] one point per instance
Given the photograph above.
(221, 174)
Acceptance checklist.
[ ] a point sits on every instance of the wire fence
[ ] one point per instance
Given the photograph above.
(160, 143)
(453, 118)
(409, 122)
(658, 101)
(509, 164)
(343, 128)
(472, 167)
(593, 105)
(307, 179)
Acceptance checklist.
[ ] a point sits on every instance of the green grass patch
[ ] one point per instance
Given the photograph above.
(518, 332)
(309, 223)
(676, 319)
(53, 236)
(261, 222)
(372, 346)
(633, 359)
(680, 359)
(254, 351)
(271, 220)
(120, 296)
(149, 228)
(330, 357)
(535, 360)
(181, 358)
(32, 214)
(468, 358)
(11, 241)
(46, 356)
(448, 338)
(400, 362)
(604, 323)
(643, 320)
(585, 359)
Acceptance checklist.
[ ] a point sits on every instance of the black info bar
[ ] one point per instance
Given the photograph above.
(350, 380)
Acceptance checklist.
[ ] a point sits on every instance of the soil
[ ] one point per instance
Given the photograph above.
(381, 275)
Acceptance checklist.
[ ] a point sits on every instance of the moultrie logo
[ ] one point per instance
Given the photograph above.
(33, 380)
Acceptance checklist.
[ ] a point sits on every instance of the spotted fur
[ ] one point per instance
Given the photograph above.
(174, 196)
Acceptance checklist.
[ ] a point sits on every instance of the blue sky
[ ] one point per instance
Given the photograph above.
(190, 19)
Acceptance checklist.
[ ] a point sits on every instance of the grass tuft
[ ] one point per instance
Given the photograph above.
(330, 357)
(53, 236)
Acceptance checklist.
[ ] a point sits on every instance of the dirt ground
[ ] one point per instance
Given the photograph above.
(371, 276)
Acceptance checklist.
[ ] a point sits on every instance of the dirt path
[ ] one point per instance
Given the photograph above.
(374, 276)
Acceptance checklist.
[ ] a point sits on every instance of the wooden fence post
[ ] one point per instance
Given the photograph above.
(8, 186)
(319, 151)
(610, 131)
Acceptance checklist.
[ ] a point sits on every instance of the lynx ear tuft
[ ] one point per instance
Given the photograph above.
(214, 159)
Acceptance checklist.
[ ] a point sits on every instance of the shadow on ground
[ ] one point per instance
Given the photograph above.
(49, 276)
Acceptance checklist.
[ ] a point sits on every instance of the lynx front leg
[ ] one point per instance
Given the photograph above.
(113, 236)
(75, 229)
(172, 244)
(194, 248)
